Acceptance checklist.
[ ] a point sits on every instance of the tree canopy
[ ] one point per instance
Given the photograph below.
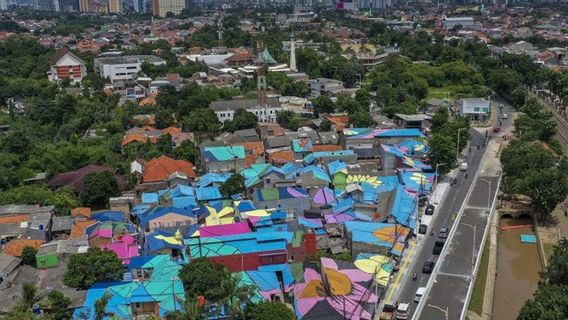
(202, 277)
(98, 188)
(96, 265)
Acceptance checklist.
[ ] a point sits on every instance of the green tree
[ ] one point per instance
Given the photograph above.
(269, 310)
(164, 119)
(96, 265)
(58, 305)
(235, 293)
(442, 150)
(29, 256)
(29, 295)
(101, 305)
(546, 188)
(234, 185)
(440, 119)
(242, 119)
(550, 302)
(190, 311)
(323, 104)
(164, 144)
(325, 125)
(203, 123)
(557, 271)
(186, 151)
(202, 277)
(99, 187)
(362, 119)
(296, 88)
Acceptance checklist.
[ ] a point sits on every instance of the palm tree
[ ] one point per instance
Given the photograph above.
(190, 311)
(236, 293)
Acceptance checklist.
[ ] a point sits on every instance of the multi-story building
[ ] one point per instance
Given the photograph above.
(225, 110)
(43, 5)
(114, 6)
(124, 68)
(65, 65)
(162, 7)
(66, 5)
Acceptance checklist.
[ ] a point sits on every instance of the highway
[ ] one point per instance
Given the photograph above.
(453, 275)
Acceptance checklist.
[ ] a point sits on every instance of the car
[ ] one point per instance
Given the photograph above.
(504, 116)
(429, 210)
(422, 229)
(428, 267)
(463, 166)
(419, 294)
(443, 234)
(438, 246)
(497, 129)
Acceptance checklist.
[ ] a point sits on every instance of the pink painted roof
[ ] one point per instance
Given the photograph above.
(224, 230)
(124, 249)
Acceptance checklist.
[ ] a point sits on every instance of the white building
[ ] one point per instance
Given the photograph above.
(124, 68)
(450, 22)
(323, 85)
(475, 108)
(225, 110)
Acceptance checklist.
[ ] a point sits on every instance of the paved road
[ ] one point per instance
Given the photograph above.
(454, 284)
(443, 217)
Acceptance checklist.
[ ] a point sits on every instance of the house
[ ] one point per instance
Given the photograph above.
(166, 218)
(240, 59)
(7, 265)
(376, 237)
(477, 109)
(15, 247)
(290, 199)
(225, 109)
(250, 251)
(418, 121)
(323, 157)
(165, 168)
(76, 179)
(66, 65)
(224, 158)
(124, 68)
(26, 221)
(321, 86)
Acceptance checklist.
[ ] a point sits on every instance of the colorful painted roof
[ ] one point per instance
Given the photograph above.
(212, 177)
(243, 243)
(302, 145)
(223, 153)
(280, 193)
(310, 158)
(341, 293)
(386, 235)
(337, 166)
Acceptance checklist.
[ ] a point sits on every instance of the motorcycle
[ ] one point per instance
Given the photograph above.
(414, 276)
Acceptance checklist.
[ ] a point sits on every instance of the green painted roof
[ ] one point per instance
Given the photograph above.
(265, 57)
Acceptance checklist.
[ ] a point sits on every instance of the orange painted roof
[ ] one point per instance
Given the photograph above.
(240, 56)
(158, 169)
(81, 211)
(338, 119)
(129, 138)
(14, 218)
(257, 147)
(148, 101)
(283, 156)
(14, 248)
(78, 229)
(327, 147)
(172, 131)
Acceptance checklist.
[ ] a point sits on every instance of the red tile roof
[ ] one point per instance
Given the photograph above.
(76, 179)
(158, 169)
(15, 247)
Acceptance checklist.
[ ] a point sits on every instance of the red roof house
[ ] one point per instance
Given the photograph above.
(159, 169)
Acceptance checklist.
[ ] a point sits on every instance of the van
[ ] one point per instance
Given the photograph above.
(402, 311)
(419, 294)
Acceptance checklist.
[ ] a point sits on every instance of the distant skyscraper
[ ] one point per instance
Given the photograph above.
(3, 4)
(84, 5)
(293, 53)
(114, 6)
(43, 5)
(162, 7)
(66, 5)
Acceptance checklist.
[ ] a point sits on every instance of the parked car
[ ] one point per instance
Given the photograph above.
(428, 267)
(463, 166)
(497, 129)
(429, 210)
(443, 234)
(422, 229)
(419, 294)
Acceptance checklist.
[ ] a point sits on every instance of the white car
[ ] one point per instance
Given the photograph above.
(463, 166)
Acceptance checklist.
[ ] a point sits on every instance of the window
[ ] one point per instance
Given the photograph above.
(267, 181)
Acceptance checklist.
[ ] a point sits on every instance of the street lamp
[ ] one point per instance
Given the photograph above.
(474, 228)
(436, 176)
(444, 311)
(488, 192)
(458, 144)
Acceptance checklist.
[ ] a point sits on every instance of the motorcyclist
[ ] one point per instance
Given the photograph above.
(414, 276)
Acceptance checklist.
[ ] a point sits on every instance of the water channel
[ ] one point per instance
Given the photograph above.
(518, 265)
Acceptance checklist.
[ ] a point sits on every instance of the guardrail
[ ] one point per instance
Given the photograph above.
(480, 252)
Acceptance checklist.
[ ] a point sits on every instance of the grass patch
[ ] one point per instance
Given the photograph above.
(476, 302)
(548, 248)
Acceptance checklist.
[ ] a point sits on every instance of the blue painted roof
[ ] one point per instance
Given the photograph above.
(150, 197)
(310, 158)
(103, 216)
(210, 178)
(336, 166)
(223, 153)
(139, 261)
(399, 133)
(157, 212)
(208, 193)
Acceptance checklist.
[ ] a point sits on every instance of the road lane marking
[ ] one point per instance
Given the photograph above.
(396, 281)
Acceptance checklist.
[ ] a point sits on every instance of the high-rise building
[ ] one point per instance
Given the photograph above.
(84, 5)
(66, 5)
(114, 6)
(162, 7)
(3, 4)
(43, 5)
(293, 53)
